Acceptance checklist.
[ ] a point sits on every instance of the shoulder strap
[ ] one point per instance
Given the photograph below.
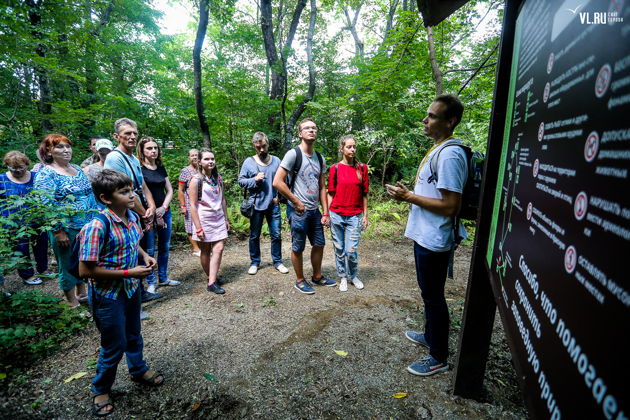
(336, 166)
(296, 167)
(133, 173)
(105, 221)
(435, 158)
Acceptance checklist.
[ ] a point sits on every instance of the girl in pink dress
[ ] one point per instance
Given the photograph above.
(208, 211)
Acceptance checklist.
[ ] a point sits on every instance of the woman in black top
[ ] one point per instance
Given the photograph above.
(154, 173)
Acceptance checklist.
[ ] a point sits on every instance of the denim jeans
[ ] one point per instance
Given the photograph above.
(274, 221)
(118, 322)
(346, 233)
(164, 243)
(40, 252)
(431, 270)
(303, 225)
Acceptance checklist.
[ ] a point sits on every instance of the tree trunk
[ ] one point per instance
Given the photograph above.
(437, 73)
(45, 97)
(299, 110)
(278, 61)
(201, 34)
(352, 27)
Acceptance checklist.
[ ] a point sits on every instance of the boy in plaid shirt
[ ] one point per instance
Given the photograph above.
(110, 263)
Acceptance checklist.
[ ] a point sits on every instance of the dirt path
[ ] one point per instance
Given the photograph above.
(264, 350)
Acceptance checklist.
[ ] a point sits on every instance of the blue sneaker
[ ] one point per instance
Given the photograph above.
(324, 281)
(417, 338)
(427, 366)
(304, 287)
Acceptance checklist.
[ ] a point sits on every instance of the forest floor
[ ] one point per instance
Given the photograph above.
(264, 350)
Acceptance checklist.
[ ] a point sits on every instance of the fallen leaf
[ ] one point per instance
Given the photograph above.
(341, 353)
(75, 376)
(210, 377)
(400, 395)
(196, 406)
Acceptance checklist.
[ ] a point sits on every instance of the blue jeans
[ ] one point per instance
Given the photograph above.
(346, 233)
(431, 270)
(303, 225)
(164, 244)
(118, 321)
(40, 251)
(274, 221)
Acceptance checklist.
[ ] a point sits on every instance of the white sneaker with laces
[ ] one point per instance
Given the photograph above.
(357, 283)
(253, 269)
(151, 289)
(281, 268)
(343, 285)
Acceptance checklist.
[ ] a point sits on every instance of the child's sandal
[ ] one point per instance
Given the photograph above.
(97, 408)
(150, 381)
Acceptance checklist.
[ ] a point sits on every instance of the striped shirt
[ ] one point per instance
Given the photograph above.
(118, 252)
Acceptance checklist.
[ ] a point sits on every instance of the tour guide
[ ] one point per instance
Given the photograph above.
(434, 204)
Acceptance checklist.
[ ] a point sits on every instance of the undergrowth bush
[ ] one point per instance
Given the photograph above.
(32, 325)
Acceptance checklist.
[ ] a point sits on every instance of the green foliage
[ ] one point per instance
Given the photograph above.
(30, 214)
(32, 325)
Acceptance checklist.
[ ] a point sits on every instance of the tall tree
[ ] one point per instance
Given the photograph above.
(201, 34)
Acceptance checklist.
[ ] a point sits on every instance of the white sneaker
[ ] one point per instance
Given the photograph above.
(281, 268)
(197, 253)
(32, 281)
(357, 283)
(343, 285)
(253, 269)
(151, 289)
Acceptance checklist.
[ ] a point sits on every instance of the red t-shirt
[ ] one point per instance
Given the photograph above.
(346, 189)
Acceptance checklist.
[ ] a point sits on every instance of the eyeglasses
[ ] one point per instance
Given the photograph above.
(17, 168)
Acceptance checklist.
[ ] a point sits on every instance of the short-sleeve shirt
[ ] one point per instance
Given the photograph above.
(263, 190)
(346, 188)
(9, 188)
(431, 230)
(116, 161)
(71, 191)
(156, 182)
(117, 252)
(306, 187)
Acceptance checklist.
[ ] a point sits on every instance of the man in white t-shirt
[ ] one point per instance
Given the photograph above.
(434, 205)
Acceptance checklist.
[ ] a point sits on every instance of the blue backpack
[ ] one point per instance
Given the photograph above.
(73, 267)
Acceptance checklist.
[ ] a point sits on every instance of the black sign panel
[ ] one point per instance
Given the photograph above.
(559, 249)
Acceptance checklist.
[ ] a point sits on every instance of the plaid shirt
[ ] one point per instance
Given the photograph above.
(118, 252)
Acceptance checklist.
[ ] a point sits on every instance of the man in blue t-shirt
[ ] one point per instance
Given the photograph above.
(434, 205)
(257, 175)
(121, 159)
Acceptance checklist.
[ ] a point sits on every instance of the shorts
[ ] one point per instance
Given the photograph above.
(303, 225)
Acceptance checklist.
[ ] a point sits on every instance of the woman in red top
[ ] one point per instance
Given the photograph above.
(348, 187)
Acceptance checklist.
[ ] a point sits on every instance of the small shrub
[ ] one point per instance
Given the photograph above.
(32, 325)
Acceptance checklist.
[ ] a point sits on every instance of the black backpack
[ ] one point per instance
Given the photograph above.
(73, 267)
(472, 188)
(291, 177)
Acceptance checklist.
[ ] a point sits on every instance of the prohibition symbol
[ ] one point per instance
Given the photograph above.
(570, 259)
(603, 80)
(541, 131)
(550, 63)
(546, 92)
(535, 168)
(591, 146)
(529, 211)
(580, 205)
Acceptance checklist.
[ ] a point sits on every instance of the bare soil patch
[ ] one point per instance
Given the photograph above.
(264, 350)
